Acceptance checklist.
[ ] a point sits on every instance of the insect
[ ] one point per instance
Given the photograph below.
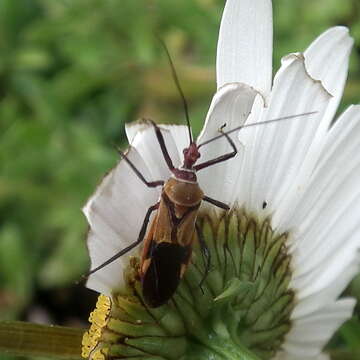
(168, 240)
(168, 243)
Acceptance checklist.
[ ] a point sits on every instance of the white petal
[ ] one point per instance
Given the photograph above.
(110, 277)
(279, 149)
(231, 105)
(134, 128)
(332, 272)
(316, 301)
(180, 136)
(327, 59)
(247, 137)
(115, 214)
(326, 241)
(244, 51)
(330, 203)
(338, 153)
(310, 334)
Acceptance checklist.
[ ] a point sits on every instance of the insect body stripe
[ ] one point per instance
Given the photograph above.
(175, 220)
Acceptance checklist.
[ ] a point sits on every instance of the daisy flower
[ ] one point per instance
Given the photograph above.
(288, 246)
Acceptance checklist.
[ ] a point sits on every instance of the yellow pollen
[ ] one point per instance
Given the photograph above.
(98, 319)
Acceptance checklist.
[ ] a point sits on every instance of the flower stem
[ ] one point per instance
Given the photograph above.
(57, 342)
(219, 348)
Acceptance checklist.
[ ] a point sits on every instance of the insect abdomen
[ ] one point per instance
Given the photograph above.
(163, 275)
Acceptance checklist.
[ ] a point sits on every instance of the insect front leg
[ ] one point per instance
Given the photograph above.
(139, 174)
(163, 147)
(131, 246)
(220, 158)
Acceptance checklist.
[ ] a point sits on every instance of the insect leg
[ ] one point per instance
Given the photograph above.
(131, 246)
(220, 158)
(163, 148)
(216, 203)
(205, 253)
(139, 174)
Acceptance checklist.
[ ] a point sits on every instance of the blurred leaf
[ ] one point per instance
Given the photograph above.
(15, 272)
(350, 331)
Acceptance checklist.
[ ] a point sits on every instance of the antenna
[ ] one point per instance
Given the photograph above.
(254, 124)
(178, 86)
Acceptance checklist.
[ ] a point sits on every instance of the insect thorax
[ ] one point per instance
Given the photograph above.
(182, 192)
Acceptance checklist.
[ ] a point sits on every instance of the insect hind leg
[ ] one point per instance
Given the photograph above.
(131, 246)
(206, 255)
(217, 203)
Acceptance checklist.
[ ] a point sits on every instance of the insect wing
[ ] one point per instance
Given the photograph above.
(163, 275)
(167, 251)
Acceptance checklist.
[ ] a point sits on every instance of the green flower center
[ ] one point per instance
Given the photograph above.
(241, 311)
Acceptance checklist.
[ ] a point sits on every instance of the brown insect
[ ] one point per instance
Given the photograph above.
(168, 242)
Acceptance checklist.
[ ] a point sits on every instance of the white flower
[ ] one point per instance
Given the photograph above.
(302, 173)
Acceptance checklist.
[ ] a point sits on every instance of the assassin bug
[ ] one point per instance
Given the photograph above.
(167, 244)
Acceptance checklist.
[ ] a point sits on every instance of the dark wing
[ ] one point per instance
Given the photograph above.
(163, 274)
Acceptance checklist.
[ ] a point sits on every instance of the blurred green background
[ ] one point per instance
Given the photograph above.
(71, 74)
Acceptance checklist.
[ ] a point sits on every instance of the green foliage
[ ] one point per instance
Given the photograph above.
(71, 74)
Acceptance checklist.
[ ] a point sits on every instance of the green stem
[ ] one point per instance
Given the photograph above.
(344, 354)
(219, 348)
(57, 342)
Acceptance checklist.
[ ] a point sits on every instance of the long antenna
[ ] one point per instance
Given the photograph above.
(178, 86)
(254, 124)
